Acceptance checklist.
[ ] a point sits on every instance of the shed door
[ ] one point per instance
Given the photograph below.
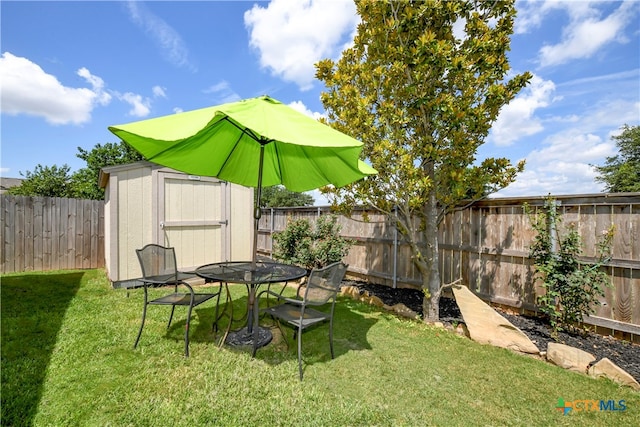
(193, 218)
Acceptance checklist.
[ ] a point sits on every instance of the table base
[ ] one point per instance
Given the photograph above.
(243, 337)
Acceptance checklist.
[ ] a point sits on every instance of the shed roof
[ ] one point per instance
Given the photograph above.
(105, 172)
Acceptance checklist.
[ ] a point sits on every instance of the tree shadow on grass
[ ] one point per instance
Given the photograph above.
(33, 310)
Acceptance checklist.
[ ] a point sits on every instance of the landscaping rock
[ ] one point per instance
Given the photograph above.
(462, 330)
(374, 300)
(439, 325)
(624, 354)
(568, 357)
(486, 326)
(402, 310)
(351, 291)
(606, 368)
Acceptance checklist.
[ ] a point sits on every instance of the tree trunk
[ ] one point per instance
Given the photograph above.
(431, 280)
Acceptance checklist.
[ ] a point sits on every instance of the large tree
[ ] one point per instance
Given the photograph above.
(422, 96)
(45, 181)
(54, 181)
(85, 180)
(621, 173)
(279, 196)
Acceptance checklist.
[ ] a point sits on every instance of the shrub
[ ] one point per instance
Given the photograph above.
(572, 288)
(311, 247)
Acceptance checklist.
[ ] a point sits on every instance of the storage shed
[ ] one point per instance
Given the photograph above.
(206, 220)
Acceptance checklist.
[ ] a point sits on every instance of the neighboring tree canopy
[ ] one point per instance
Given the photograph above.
(85, 180)
(45, 181)
(423, 100)
(56, 181)
(278, 196)
(621, 173)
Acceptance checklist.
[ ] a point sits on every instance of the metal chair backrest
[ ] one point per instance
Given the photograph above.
(158, 263)
(324, 283)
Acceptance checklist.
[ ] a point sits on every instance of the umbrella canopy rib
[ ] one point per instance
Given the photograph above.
(248, 131)
(226, 160)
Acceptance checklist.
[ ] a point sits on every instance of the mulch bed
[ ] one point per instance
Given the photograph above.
(620, 352)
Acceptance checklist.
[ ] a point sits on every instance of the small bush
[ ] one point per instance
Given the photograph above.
(572, 288)
(311, 247)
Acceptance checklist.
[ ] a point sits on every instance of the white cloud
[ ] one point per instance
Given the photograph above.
(587, 32)
(572, 145)
(170, 43)
(517, 119)
(140, 106)
(102, 97)
(531, 14)
(563, 164)
(159, 92)
(290, 36)
(299, 106)
(222, 92)
(27, 89)
(557, 177)
(319, 199)
(568, 179)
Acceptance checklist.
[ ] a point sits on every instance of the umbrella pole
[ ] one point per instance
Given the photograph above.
(257, 211)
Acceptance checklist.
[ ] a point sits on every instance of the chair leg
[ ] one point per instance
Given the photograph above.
(173, 307)
(228, 304)
(331, 336)
(186, 332)
(268, 295)
(214, 326)
(144, 315)
(300, 352)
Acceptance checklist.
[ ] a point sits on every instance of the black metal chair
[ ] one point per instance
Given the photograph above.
(320, 289)
(159, 268)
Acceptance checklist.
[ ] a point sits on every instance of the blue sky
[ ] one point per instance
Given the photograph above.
(69, 70)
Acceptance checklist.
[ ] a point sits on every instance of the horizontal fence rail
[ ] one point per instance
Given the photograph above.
(487, 246)
(50, 233)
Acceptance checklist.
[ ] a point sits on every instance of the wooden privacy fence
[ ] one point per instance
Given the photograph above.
(487, 245)
(50, 233)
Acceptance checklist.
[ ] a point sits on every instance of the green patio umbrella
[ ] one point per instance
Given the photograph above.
(257, 142)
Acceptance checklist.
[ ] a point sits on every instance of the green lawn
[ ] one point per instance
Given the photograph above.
(67, 359)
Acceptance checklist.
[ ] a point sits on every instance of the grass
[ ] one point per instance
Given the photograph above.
(67, 359)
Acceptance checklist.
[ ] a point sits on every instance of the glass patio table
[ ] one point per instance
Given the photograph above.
(251, 274)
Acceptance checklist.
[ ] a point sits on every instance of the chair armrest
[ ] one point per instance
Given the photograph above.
(152, 282)
(185, 275)
(279, 297)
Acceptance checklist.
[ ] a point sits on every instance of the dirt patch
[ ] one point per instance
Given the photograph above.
(620, 352)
